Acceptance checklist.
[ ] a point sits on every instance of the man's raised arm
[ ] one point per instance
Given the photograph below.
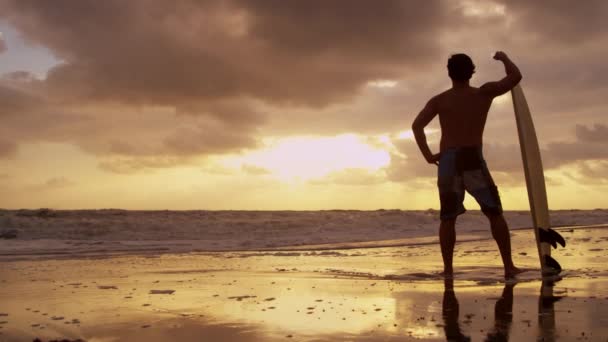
(513, 77)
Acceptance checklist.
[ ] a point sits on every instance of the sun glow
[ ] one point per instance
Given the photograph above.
(307, 157)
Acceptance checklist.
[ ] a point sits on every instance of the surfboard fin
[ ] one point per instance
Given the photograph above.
(551, 237)
(552, 264)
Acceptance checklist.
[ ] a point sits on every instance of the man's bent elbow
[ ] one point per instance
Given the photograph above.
(518, 78)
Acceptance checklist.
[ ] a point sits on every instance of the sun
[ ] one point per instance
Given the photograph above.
(303, 158)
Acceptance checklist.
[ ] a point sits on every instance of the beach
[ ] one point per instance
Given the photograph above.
(368, 290)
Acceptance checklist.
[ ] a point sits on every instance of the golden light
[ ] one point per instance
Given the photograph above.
(405, 134)
(382, 84)
(306, 157)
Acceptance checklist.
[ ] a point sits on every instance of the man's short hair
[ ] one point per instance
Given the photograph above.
(460, 67)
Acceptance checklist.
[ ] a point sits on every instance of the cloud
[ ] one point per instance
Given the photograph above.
(8, 149)
(205, 140)
(58, 182)
(560, 20)
(162, 53)
(119, 130)
(3, 46)
(53, 184)
(130, 165)
(597, 134)
(407, 162)
(595, 171)
(155, 84)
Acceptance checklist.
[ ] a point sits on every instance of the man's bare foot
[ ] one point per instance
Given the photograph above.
(511, 272)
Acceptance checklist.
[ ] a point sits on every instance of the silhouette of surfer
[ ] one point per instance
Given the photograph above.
(463, 111)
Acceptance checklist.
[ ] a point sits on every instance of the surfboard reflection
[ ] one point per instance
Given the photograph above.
(546, 312)
(503, 313)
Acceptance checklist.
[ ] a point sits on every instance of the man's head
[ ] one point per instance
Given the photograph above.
(460, 67)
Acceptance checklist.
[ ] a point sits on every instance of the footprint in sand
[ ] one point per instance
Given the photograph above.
(107, 287)
(162, 291)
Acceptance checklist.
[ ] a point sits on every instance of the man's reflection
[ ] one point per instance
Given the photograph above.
(503, 315)
(449, 311)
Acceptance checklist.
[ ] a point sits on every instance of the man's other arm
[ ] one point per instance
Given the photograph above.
(494, 89)
(422, 120)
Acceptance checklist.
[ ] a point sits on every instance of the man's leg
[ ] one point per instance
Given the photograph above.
(500, 232)
(447, 240)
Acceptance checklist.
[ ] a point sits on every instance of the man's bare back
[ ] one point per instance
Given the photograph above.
(462, 116)
(463, 111)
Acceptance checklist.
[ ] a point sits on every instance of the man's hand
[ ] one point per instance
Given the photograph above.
(500, 56)
(434, 159)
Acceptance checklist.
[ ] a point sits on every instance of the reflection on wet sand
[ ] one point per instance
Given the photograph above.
(546, 312)
(503, 313)
(450, 312)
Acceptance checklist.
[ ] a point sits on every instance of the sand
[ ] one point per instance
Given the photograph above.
(327, 294)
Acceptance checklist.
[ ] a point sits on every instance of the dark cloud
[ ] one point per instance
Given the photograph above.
(15, 102)
(597, 134)
(561, 21)
(184, 52)
(119, 130)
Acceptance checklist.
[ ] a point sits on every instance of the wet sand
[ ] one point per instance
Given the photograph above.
(371, 294)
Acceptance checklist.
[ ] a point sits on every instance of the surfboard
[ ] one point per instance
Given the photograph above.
(535, 184)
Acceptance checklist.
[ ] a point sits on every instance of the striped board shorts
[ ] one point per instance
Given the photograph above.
(460, 169)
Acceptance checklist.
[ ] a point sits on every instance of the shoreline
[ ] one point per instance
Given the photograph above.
(14, 250)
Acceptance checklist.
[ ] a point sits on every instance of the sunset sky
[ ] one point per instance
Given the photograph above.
(273, 104)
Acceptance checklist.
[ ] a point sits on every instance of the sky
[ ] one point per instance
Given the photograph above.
(298, 105)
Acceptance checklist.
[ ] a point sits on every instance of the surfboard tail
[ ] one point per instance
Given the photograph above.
(551, 265)
(551, 237)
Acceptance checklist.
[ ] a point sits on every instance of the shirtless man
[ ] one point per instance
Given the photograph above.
(462, 114)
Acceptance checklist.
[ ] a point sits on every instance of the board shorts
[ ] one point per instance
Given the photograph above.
(461, 169)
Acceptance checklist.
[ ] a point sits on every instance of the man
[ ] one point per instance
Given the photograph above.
(462, 114)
